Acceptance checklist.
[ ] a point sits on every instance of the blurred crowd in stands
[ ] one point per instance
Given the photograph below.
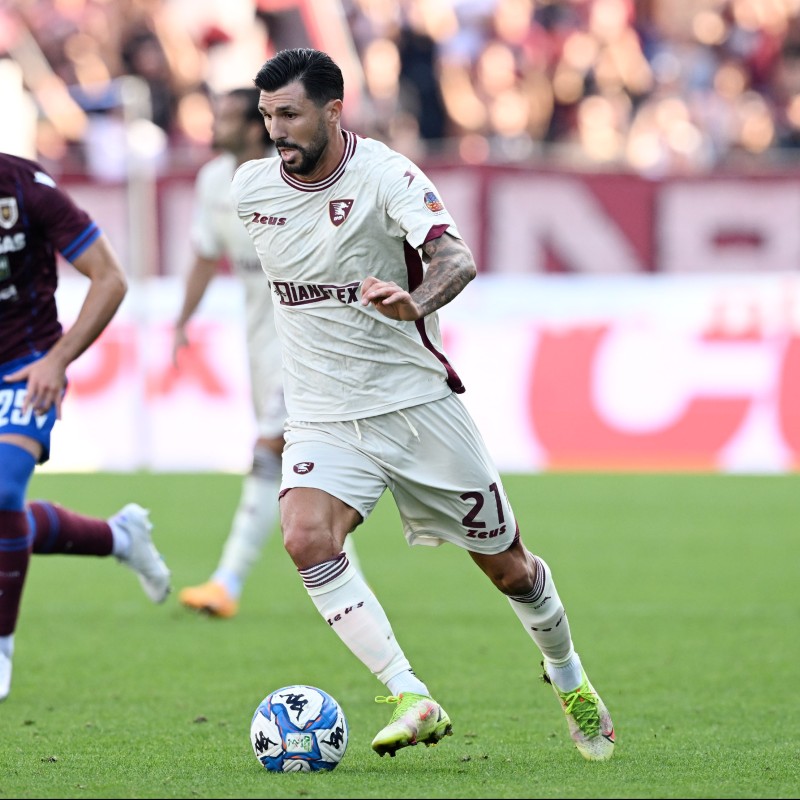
(653, 86)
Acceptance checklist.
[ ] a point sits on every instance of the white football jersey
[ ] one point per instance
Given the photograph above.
(317, 242)
(217, 232)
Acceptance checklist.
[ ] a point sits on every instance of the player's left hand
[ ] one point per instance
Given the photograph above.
(46, 382)
(390, 299)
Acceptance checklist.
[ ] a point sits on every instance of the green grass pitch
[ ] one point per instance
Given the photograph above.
(683, 593)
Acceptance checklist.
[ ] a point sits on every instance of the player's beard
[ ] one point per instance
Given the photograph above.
(310, 155)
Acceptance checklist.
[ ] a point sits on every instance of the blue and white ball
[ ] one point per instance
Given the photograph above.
(298, 729)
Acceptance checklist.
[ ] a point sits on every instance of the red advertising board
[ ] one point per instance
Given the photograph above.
(525, 220)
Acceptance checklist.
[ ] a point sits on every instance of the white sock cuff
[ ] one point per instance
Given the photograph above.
(402, 681)
(328, 576)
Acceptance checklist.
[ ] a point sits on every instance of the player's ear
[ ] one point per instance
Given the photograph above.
(333, 111)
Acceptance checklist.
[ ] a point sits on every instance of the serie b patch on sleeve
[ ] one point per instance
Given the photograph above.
(433, 202)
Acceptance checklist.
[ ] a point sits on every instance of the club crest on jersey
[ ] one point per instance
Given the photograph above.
(303, 467)
(339, 209)
(9, 213)
(433, 202)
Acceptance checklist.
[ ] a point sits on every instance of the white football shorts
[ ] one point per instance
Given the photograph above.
(432, 459)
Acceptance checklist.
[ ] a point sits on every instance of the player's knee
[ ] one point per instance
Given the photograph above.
(308, 537)
(18, 466)
(314, 526)
(296, 540)
(12, 494)
(308, 545)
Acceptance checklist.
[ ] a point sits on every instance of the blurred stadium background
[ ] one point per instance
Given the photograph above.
(626, 173)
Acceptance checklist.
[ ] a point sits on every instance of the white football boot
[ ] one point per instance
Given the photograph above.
(588, 720)
(143, 558)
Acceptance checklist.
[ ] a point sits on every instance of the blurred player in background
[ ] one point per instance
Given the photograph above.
(217, 234)
(36, 220)
(361, 252)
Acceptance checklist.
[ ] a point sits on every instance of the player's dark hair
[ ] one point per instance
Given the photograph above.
(250, 97)
(317, 71)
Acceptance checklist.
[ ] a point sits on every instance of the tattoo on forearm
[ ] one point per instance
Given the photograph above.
(450, 268)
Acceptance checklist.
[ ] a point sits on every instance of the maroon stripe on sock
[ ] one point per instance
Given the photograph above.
(15, 554)
(60, 530)
(320, 574)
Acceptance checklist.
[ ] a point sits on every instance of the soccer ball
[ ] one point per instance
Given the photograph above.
(298, 729)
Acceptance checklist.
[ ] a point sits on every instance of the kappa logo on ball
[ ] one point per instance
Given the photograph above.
(303, 467)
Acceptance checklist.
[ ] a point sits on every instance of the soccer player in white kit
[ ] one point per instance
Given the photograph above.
(361, 252)
(217, 233)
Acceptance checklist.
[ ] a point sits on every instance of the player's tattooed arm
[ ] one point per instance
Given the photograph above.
(451, 267)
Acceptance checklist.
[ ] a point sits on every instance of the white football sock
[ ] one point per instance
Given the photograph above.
(7, 645)
(120, 540)
(253, 522)
(542, 614)
(349, 606)
(407, 682)
(567, 675)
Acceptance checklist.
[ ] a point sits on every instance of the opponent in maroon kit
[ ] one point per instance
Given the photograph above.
(37, 220)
